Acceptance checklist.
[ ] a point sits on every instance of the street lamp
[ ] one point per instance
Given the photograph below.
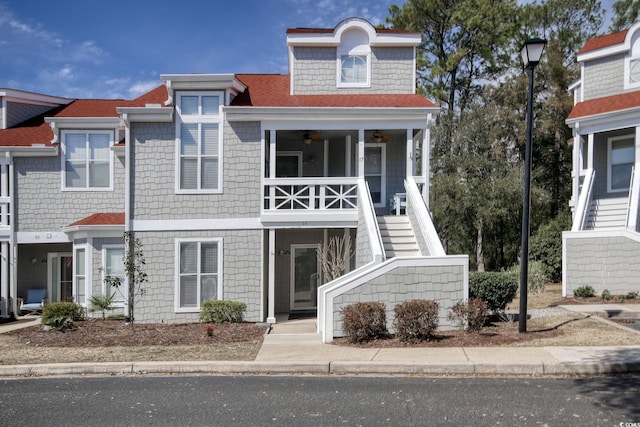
(530, 52)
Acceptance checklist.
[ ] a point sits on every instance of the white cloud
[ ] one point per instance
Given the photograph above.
(15, 26)
(140, 87)
(88, 51)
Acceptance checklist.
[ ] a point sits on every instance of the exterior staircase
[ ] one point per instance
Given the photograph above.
(398, 237)
(606, 214)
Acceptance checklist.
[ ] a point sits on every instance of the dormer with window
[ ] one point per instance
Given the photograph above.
(352, 58)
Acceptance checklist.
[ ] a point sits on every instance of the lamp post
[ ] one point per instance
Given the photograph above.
(530, 52)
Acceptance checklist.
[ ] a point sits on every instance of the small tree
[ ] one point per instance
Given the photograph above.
(134, 263)
(334, 257)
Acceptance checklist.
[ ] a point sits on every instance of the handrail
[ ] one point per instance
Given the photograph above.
(311, 193)
(634, 200)
(423, 217)
(368, 212)
(584, 201)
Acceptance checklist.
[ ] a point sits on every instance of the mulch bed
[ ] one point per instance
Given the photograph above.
(593, 300)
(499, 333)
(115, 333)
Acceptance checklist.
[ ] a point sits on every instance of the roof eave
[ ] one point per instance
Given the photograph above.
(34, 150)
(150, 113)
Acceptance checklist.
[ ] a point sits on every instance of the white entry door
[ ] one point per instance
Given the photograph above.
(305, 277)
(60, 276)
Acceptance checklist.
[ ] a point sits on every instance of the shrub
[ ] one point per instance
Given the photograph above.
(219, 311)
(536, 280)
(546, 245)
(584, 292)
(102, 303)
(472, 314)
(632, 295)
(416, 320)
(496, 289)
(364, 321)
(61, 315)
(606, 295)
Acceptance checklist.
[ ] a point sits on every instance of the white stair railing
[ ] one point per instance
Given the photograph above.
(423, 217)
(634, 200)
(584, 201)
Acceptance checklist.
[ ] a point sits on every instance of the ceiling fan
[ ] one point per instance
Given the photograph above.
(378, 137)
(308, 137)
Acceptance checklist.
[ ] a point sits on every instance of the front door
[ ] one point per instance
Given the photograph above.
(305, 276)
(60, 280)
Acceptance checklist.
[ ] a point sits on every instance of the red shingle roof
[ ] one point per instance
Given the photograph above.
(37, 131)
(272, 90)
(302, 30)
(603, 41)
(606, 104)
(101, 219)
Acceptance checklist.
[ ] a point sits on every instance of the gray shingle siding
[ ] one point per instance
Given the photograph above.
(242, 273)
(18, 112)
(604, 77)
(153, 195)
(40, 203)
(315, 71)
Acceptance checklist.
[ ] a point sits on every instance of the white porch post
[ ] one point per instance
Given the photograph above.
(4, 278)
(590, 140)
(347, 155)
(272, 153)
(637, 151)
(575, 192)
(361, 153)
(271, 294)
(426, 162)
(410, 167)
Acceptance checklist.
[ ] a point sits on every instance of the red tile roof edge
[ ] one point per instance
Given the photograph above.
(603, 41)
(101, 219)
(607, 104)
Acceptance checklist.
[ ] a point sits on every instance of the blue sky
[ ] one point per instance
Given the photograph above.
(118, 49)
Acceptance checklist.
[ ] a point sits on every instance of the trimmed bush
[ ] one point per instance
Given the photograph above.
(546, 245)
(416, 320)
(219, 311)
(584, 292)
(606, 295)
(496, 289)
(364, 321)
(631, 295)
(61, 315)
(471, 314)
(537, 278)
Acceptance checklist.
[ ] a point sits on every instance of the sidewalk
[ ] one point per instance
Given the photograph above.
(295, 348)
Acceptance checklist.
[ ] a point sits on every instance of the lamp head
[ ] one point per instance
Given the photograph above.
(531, 51)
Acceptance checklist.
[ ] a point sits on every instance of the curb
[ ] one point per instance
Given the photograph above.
(320, 368)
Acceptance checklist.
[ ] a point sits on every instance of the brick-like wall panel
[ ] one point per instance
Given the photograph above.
(40, 203)
(611, 263)
(604, 77)
(154, 195)
(315, 71)
(241, 273)
(444, 284)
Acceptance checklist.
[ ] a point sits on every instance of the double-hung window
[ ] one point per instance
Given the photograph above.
(87, 160)
(199, 272)
(621, 160)
(199, 142)
(113, 268)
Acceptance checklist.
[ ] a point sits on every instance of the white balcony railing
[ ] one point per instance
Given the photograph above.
(5, 212)
(584, 201)
(288, 194)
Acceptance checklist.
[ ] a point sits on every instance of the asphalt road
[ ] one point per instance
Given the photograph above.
(309, 400)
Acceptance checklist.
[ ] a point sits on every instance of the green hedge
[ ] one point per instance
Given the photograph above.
(496, 289)
(61, 315)
(219, 311)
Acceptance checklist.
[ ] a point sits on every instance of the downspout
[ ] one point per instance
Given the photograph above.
(13, 256)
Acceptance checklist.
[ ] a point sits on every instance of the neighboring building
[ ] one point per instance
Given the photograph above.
(602, 249)
(231, 182)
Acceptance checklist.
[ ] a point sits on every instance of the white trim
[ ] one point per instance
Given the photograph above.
(51, 257)
(341, 56)
(623, 47)
(590, 234)
(610, 142)
(146, 114)
(219, 275)
(63, 146)
(24, 237)
(81, 123)
(196, 224)
(333, 118)
(271, 304)
(87, 277)
(16, 95)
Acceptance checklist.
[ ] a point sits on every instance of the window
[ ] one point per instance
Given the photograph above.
(113, 266)
(79, 277)
(621, 160)
(87, 160)
(199, 267)
(353, 69)
(199, 147)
